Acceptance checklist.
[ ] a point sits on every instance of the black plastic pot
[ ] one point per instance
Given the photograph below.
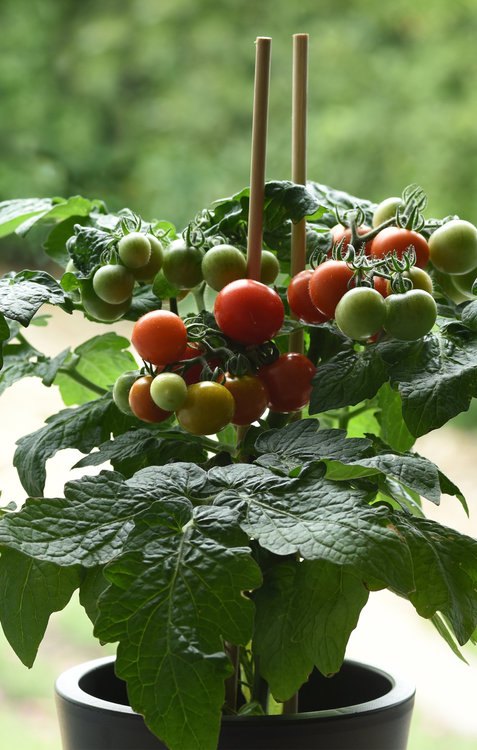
(360, 708)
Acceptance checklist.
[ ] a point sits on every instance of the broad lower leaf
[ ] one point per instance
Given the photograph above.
(445, 571)
(305, 612)
(436, 376)
(318, 519)
(173, 600)
(83, 427)
(30, 590)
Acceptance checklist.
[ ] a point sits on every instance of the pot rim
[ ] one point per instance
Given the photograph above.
(67, 687)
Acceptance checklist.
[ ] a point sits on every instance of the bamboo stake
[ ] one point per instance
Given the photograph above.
(259, 147)
(299, 147)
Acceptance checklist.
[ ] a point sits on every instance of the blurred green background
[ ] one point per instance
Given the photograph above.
(148, 104)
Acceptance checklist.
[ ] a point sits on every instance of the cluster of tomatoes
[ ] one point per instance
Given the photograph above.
(108, 295)
(191, 381)
(382, 286)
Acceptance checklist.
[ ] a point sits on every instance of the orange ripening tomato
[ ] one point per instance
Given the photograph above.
(141, 403)
(159, 337)
(328, 282)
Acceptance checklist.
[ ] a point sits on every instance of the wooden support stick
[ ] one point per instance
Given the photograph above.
(259, 148)
(299, 147)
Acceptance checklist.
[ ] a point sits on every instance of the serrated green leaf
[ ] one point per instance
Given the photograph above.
(22, 294)
(173, 600)
(30, 590)
(468, 314)
(318, 519)
(443, 630)
(83, 427)
(389, 416)
(305, 612)
(445, 572)
(92, 586)
(88, 248)
(436, 376)
(346, 379)
(101, 360)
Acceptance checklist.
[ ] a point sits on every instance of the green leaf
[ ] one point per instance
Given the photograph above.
(88, 248)
(83, 427)
(436, 376)
(394, 430)
(92, 586)
(138, 448)
(444, 631)
(347, 378)
(174, 598)
(22, 294)
(55, 243)
(101, 360)
(317, 518)
(445, 572)
(13, 213)
(30, 590)
(305, 612)
(299, 443)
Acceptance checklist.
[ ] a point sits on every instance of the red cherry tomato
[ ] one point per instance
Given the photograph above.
(298, 295)
(399, 240)
(340, 232)
(288, 381)
(328, 282)
(248, 311)
(159, 337)
(250, 396)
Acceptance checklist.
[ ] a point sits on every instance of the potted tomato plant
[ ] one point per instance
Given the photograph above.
(255, 496)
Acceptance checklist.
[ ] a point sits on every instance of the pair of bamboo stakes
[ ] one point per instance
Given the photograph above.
(258, 156)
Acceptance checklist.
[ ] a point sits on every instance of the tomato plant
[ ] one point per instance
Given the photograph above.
(134, 250)
(299, 298)
(208, 408)
(411, 315)
(360, 313)
(250, 397)
(249, 311)
(142, 404)
(453, 247)
(113, 284)
(398, 240)
(328, 282)
(159, 337)
(223, 264)
(288, 381)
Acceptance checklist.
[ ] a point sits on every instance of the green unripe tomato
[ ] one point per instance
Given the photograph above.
(269, 268)
(360, 313)
(223, 264)
(121, 389)
(420, 280)
(134, 250)
(100, 310)
(182, 265)
(411, 315)
(113, 284)
(386, 210)
(168, 391)
(465, 281)
(154, 264)
(453, 247)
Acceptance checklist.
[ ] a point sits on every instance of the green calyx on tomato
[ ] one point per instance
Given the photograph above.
(360, 313)
(453, 247)
(411, 315)
(248, 311)
(208, 408)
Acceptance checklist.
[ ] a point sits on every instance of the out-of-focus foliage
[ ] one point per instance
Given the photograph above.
(148, 104)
